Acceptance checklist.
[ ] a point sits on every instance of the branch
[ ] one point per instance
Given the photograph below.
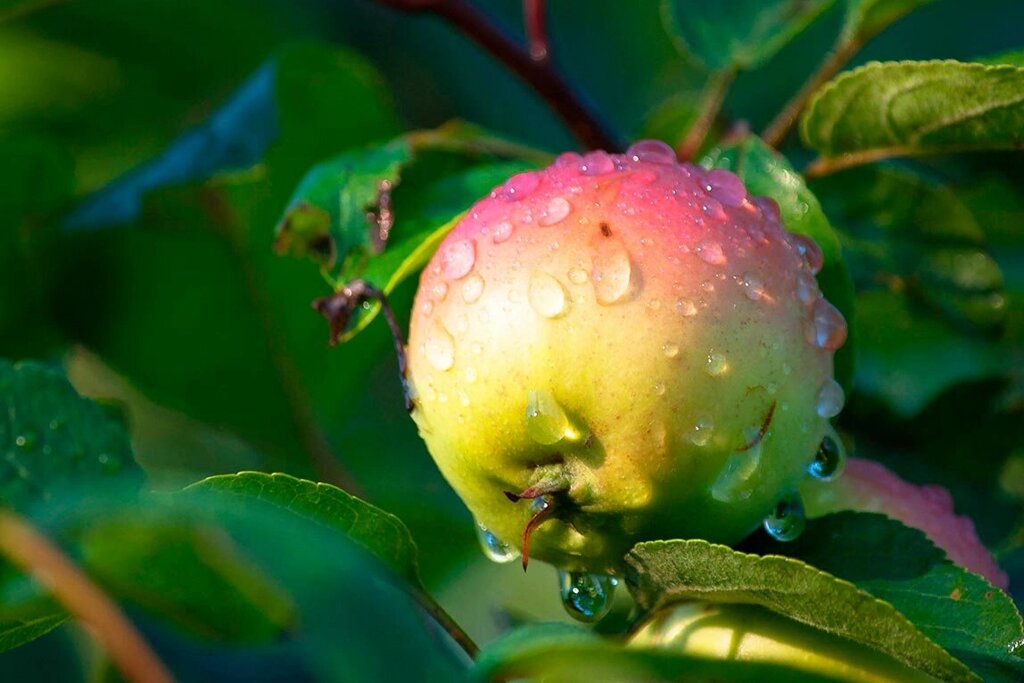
(32, 552)
(445, 621)
(570, 105)
(710, 105)
(780, 127)
(535, 21)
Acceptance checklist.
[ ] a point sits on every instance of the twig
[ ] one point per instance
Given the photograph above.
(710, 105)
(569, 104)
(535, 22)
(445, 621)
(338, 309)
(32, 552)
(780, 127)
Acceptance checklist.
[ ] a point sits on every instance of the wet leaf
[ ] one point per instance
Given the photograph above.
(910, 108)
(660, 572)
(743, 34)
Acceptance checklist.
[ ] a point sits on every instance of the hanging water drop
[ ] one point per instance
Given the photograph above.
(495, 549)
(830, 399)
(546, 421)
(586, 597)
(612, 272)
(787, 521)
(547, 295)
(828, 461)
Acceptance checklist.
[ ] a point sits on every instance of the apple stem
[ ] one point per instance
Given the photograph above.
(535, 22)
(575, 110)
(338, 309)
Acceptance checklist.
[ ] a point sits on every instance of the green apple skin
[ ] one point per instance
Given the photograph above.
(638, 334)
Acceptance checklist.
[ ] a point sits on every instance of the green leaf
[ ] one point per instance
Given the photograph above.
(259, 578)
(909, 108)
(327, 217)
(16, 633)
(767, 173)
(379, 532)
(865, 18)
(189, 574)
(51, 438)
(961, 611)
(907, 358)
(664, 571)
(1011, 58)
(905, 228)
(558, 652)
(743, 34)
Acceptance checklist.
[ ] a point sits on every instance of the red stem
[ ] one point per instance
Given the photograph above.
(535, 21)
(569, 104)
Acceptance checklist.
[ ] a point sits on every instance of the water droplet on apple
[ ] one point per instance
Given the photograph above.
(494, 548)
(826, 328)
(472, 288)
(612, 272)
(787, 521)
(654, 151)
(546, 420)
(830, 399)
(717, 364)
(828, 460)
(520, 186)
(557, 209)
(547, 295)
(458, 259)
(440, 349)
(597, 163)
(711, 252)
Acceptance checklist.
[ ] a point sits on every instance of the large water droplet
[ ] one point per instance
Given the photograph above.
(495, 549)
(806, 288)
(810, 251)
(612, 272)
(711, 252)
(654, 151)
(458, 259)
(702, 430)
(555, 212)
(686, 307)
(753, 287)
(717, 364)
(787, 521)
(726, 187)
(586, 597)
(472, 288)
(828, 460)
(826, 329)
(769, 209)
(597, 163)
(830, 399)
(713, 208)
(440, 349)
(547, 295)
(502, 231)
(546, 421)
(520, 185)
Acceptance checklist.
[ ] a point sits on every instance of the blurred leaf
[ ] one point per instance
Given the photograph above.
(52, 438)
(907, 359)
(37, 184)
(743, 34)
(907, 108)
(865, 18)
(664, 571)
(377, 531)
(906, 228)
(17, 633)
(558, 652)
(767, 173)
(191, 575)
(228, 566)
(965, 614)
